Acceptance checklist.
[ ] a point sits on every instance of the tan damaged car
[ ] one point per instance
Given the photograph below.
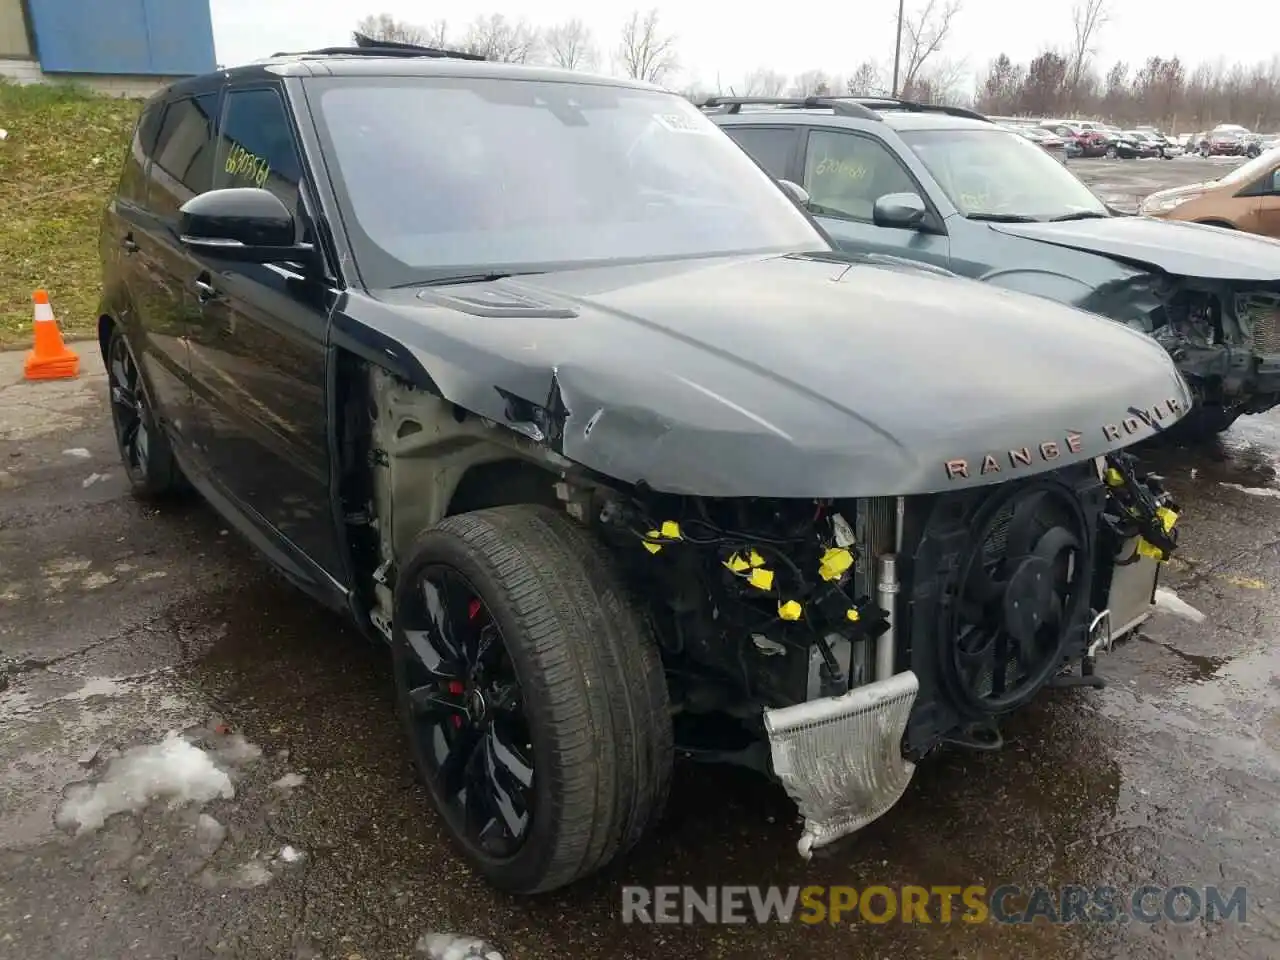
(1247, 198)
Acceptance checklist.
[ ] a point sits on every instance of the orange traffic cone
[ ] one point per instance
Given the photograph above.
(49, 359)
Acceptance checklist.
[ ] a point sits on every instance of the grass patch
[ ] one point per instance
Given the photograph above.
(57, 170)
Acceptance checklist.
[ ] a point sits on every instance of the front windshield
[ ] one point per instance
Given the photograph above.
(1259, 166)
(448, 176)
(994, 174)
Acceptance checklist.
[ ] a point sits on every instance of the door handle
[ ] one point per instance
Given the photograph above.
(129, 244)
(205, 291)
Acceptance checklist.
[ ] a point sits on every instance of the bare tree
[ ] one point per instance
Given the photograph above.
(1088, 17)
(645, 52)
(942, 81)
(923, 35)
(570, 45)
(763, 82)
(1000, 91)
(866, 81)
(812, 83)
(494, 37)
(383, 26)
(438, 34)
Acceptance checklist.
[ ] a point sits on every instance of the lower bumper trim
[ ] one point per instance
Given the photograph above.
(840, 758)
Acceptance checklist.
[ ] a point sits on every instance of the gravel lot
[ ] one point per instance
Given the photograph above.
(118, 623)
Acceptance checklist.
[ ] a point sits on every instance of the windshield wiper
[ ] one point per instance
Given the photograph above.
(1080, 215)
(1001, 217)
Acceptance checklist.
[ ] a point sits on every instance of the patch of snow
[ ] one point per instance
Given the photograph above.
(209, 834)
(98, 687)
(93, 478)
(80, 452)
(173, 770)
(250, 875)
(1254, 491)
(289, 781)
(1170, 602)
(289, 854)
(447, 946)
(234, 748)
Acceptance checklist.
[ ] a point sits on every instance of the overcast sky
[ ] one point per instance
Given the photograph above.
(716, 38)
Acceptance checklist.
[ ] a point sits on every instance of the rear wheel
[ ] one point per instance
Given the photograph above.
(144, 449)
(532, 693)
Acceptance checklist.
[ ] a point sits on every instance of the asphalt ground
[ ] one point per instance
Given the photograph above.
(120, 622)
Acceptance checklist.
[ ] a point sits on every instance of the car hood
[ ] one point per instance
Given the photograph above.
(1183, 249)
(1186, 191)
(785, 376)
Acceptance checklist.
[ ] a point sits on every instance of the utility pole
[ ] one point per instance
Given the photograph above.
(897, 50)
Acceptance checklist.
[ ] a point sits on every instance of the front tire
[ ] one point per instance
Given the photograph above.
(144, 449)
(532, 693)
(1203, 423)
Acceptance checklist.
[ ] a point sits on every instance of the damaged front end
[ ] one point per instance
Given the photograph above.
(1224, 335)
(834, 643)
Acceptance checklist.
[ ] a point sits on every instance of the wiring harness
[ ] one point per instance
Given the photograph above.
(799, 581)
(1146, 510)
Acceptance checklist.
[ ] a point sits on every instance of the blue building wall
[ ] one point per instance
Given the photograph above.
(140, 37)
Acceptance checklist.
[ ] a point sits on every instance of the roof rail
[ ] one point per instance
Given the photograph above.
(369, 47)
(841, 107)
(912, 106)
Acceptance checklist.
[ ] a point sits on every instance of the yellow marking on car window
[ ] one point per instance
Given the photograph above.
(851, 169)
(247, 166)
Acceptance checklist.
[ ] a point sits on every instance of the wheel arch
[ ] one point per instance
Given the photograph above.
(409, 458)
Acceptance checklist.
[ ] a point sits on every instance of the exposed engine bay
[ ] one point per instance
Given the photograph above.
(765, 604)
(1224, 336)
(862, 635)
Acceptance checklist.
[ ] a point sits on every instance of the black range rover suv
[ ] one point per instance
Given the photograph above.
(541, 379)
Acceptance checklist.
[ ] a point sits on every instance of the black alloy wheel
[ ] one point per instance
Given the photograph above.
(144, 450)
(465, 711)
(532, 694)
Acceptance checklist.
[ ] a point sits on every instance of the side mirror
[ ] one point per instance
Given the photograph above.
(241, 223)
(904, 210)
(796, 192)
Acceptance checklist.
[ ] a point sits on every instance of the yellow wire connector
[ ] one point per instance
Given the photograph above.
(761, 578)
(670, 530)
(740, 564)
(1167, 518)
(835, 561)
(790, 610)
(1114, 478)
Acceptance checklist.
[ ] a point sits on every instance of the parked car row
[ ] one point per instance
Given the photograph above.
(1231, 140)
(787, 433)
(1093, 138)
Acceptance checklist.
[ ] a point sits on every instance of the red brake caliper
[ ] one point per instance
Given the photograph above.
(456, 687)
